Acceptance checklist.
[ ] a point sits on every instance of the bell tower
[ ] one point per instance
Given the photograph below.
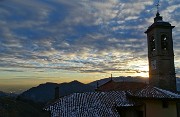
(161, 54)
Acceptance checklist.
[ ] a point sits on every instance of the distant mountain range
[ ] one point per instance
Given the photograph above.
(3, 94)
(45, 92)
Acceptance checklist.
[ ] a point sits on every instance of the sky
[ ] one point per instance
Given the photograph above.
(86, 40)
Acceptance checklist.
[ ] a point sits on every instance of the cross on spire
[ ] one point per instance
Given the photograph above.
(158, 17)
(157, 5)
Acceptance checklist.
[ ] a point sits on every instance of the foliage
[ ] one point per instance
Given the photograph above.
(10, 107)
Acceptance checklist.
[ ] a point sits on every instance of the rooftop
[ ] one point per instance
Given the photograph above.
(154, 93)
(103, 104)
(121, 86)
(91, 104)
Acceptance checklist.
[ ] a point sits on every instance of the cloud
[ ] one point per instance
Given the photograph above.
(83, 36)
(9, 70)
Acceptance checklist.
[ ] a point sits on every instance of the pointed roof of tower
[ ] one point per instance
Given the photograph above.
(158, 21)
(158, 18)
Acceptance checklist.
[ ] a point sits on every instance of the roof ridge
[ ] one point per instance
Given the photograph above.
(169, 93)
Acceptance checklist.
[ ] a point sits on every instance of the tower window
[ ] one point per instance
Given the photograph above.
(164, 43)
(152, 43)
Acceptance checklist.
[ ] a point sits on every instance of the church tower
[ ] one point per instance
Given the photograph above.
(161, 54)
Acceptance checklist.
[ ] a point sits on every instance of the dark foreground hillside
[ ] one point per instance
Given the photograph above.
(10, 107)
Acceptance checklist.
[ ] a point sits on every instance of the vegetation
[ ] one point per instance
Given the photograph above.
(10, 107)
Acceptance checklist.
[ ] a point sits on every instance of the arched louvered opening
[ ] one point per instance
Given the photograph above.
(164, 42)
(152, 43)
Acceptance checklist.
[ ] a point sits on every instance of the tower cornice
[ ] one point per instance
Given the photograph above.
(159, 24)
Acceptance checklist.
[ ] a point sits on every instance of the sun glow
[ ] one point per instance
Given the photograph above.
(144, 71)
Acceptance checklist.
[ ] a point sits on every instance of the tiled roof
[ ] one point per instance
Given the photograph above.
(103, 104)
(154, 92)
(121, 86)
(90, 104)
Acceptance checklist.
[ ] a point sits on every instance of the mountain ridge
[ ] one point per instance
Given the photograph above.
(45, 92)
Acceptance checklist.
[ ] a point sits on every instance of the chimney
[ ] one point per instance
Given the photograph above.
(111, 77)
(57, 95)
(97, 86)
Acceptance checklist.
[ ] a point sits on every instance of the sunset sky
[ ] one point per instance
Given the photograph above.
(64, 40)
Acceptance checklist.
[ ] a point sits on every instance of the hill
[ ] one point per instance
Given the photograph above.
(45, 92)
(10, 107)
(3, 94)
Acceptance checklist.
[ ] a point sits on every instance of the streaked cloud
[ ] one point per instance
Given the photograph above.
(84, 36)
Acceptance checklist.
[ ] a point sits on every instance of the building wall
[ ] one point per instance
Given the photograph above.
(138, 111)
(155, 109)
(178, 109)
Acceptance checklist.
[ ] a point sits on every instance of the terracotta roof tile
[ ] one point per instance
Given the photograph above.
(101, 104)
(154, 92)
(121, 86)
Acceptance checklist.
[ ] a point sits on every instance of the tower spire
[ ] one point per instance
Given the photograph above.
(158, 17)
